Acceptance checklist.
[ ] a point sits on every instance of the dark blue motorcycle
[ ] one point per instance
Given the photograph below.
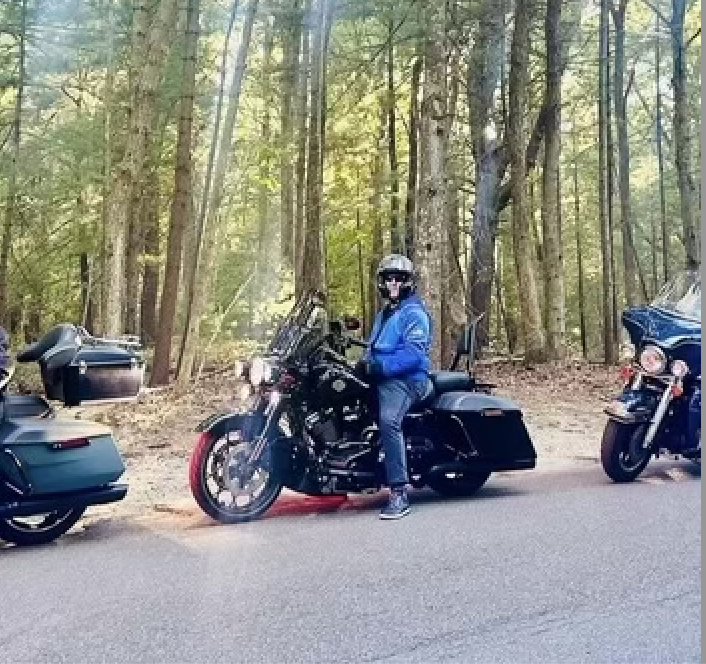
(659, 410)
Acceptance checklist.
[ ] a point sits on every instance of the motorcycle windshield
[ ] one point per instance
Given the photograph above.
(672, 320)
(303, 327)
(681, 296)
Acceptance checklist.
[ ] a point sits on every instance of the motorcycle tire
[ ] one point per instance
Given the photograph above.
(622, 456)
(198, 482)
(54, 525)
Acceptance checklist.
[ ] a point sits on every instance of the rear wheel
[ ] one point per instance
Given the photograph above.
(40, 528)
(223, 486)
(622, 453)
(458, 484)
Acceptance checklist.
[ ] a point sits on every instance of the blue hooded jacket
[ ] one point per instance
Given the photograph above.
(401, 342)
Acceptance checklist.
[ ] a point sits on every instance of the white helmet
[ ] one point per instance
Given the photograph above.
(400, 266)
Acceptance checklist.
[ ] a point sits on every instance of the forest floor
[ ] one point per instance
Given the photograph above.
(561, 403)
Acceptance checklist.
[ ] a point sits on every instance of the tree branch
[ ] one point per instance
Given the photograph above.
(531, 154)
(691, 39)
(658, 12)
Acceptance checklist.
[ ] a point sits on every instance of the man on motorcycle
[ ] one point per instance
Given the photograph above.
(397, 359)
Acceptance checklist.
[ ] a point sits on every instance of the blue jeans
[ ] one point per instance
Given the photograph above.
(396, 397)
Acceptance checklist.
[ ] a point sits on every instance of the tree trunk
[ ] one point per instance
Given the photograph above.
(431, 238)
(551, 226)
(104, 286)
(453, 316)
(396, 239)
(579, 247)
(148, 78)
(302, 144)
(610, 150)
(521, 230)
(313, 259)
(179, 213)
(682, 136)
(377, 178)
(10, 208)
(621, 121)
(660, 156)
(483, 78)
(207, 230)
(133, 250)
(150, 274)
(410, 211)
(267, 262)
(292, 40)
(603, 197)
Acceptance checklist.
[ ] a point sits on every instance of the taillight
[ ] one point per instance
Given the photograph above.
(71, 444)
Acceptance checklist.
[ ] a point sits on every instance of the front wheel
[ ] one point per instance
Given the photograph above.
(458, 485)
(223, 487)
(622, 453)
(39, 529)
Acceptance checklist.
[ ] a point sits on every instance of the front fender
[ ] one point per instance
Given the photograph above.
(219, 424)
(633, 406)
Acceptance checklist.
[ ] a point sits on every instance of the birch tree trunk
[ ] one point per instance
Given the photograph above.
(521, 229)
(207, 232)
(313, 259)
(301, 121)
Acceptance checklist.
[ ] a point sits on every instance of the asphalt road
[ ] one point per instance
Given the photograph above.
(552, 565)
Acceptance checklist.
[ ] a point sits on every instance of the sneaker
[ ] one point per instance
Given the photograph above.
(397, 506)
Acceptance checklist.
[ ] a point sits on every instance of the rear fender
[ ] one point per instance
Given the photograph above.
(219, 424)
(285, 457)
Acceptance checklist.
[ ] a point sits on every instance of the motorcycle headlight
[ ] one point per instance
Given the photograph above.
(653, 360)
(679, 368)
(262, 371)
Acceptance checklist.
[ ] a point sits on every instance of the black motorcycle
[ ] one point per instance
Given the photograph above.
(310, 426)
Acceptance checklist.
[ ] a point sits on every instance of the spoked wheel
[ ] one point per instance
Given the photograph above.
(455, 484)
(222, 484)
(40, 528)
(622, 453)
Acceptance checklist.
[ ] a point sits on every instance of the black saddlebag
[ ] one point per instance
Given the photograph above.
(97, 373)
(487, 428)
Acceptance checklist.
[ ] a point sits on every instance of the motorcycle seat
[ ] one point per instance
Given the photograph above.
(56, 348)
(448, 381)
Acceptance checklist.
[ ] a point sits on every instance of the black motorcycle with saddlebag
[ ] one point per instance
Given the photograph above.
(310, 425)
(54, 466)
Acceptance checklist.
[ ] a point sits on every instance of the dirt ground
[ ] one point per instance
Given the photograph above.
(562, 407)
